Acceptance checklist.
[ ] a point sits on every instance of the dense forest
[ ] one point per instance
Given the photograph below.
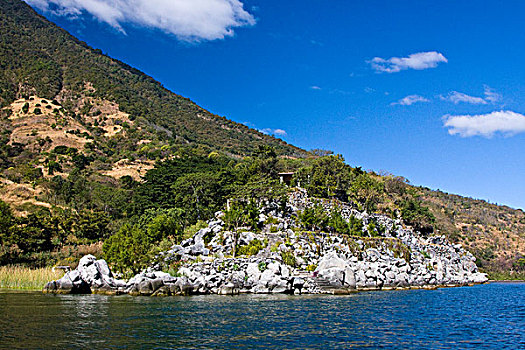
(96, 157)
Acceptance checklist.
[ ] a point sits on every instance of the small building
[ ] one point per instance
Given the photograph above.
(285, 178)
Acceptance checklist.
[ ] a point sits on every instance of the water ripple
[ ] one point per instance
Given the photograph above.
(488, 316)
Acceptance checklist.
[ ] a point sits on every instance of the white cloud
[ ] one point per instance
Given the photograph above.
(410, 100)
(189, 20)
(315, 87)
(277, 132)
(418, 61)
(506, 122)
(491, 95)
(457, 97)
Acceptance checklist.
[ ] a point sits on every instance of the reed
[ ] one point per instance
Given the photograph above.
(20, 277)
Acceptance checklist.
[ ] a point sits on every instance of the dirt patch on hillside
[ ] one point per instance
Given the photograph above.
(42, 125)
(103, 114)
(136, 169)
(20, 196)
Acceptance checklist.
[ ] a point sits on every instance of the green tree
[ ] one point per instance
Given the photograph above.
(242, 213)
(417, 216)
(337, 223)
(92, 225)
(127, 250)
(355, 226)
(200, 194)
(366, 191)
(326, 177)
(8, 246)
(163, 223)
(314, 218)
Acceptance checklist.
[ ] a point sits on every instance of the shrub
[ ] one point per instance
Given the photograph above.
(65, 151)
(53, 166)
(372, 229)
(311, 268)
(271, 220)
(313, 218)
(251, 249)
(337, 223)
(288, 258)
(190, 231)
(355, 226)
(417, 216)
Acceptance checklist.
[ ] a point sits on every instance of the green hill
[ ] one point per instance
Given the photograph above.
(39, 58)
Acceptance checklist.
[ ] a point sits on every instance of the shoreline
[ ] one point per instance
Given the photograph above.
(506, 281)
(340, 291)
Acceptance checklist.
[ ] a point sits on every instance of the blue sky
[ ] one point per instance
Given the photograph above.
(427, 90)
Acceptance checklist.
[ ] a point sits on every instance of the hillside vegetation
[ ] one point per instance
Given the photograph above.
(39, 58)
(94, 153)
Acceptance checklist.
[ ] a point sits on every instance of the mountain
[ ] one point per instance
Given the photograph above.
(89, 144)
(37, 58)
(495, 234)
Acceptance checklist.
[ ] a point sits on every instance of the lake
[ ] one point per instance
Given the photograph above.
(489, 316)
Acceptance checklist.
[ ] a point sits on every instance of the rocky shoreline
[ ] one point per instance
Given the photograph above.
(282, 258)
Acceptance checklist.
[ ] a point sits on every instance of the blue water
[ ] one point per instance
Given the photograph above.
(485, 316)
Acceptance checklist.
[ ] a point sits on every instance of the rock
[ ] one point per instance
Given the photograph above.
(349, 279)
(50, 287)
(162, 292)
(329, 261)
(88, 270)
(478, 278)
(246, 237)
(184, 286)
(371, 283)
(156, 284)
(266, 277)
(70, 283)
(360, 279)
(280, 286)
(372, 271)
(229, 289)
(372, 254)
(274, 267)
(145, 288)
(298, 282)
(198, 249)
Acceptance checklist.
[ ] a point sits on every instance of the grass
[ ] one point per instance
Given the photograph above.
(19, 277)
(506, 276)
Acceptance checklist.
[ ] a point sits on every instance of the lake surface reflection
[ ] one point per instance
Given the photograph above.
(489, 316)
